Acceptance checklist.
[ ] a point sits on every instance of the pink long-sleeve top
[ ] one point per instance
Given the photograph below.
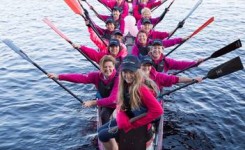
(102, 47)
(102, 31)
(172, 64)
(154, 110)
(112, 4)
(166, 43)
(137, 8)
(121, 21)
(163, 79)
(154, 21)
(157, 35)
(96, 56)
(95, 78)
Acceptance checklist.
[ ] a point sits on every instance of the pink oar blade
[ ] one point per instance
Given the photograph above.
(51, 25)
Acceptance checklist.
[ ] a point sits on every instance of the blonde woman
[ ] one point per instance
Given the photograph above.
(135, 98)
(105, 81)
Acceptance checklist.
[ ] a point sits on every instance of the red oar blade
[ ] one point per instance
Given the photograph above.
(51, 25)
(202, 27)
(74, 5)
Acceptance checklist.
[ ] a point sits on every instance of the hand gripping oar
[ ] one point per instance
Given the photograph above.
(52, 26)
(74, 5)
(228, 48)
(164, 13)
(210, 20)
(226, 68)
(16, 49)
(181, 23)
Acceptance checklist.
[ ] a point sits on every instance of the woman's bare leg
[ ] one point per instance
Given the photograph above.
(111, 145)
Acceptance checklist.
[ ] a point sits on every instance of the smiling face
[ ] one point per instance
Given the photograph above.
(114, 50)
(147, 27)
(156, 51)
(110, 26)
(142, 38)
(146, 13)
(107, 69)
(115, 14)
(128, 76)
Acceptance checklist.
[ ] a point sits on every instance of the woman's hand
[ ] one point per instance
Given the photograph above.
(52, 76)
(90, 103)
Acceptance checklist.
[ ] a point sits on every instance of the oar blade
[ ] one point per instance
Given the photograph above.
(52, 26)
(74, 5)
(226, 68)
(209, 21)
(234, 45)
(16, 49)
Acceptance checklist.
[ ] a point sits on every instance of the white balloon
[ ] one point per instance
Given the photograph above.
(133, 31)
(125, 32)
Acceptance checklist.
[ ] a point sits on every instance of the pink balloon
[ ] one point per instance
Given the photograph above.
(133, 31)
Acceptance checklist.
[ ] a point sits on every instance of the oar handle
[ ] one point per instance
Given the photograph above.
(180, 25)
(81, 52)
(180, 87)
(164, 13)
(114, 129)
(175, 48)
(56, 81)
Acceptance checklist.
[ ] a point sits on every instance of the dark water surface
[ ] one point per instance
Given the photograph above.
(37, 114)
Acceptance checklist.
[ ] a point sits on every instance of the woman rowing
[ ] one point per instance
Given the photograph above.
(122, 4)
(114, 49)
(162, 79)
(134, 98)
(146, 14)
(112, 33)
(105, 81)
(142, 4)
(164, 64)
(142, 44)
(116, 17)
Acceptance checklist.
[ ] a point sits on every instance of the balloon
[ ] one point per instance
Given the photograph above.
(133, 31)
(129, 21)
(125, 32)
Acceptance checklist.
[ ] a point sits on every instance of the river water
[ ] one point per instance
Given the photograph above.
(35, 113)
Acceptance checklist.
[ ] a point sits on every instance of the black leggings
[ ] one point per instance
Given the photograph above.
(105, 114)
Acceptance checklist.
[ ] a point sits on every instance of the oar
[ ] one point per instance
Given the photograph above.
(52, 26)
(74, 5)
(210, 20)
(97, 14)
(104, 5)
(181, 23)
(228, 48)
(164, 13)
(226, 68)
(16, 49)
(158, 6)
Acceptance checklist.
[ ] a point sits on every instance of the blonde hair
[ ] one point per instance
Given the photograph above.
(140, 80)
(107, 58)
(145, 9)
